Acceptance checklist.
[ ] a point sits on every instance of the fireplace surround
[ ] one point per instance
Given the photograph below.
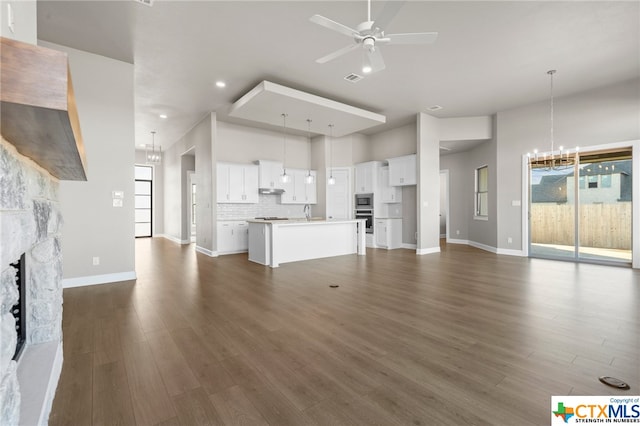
(30, 225)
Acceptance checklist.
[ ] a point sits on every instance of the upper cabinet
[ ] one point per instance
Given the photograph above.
(402, 170)
(297, 190)
(388, 193)
(366, 177)
(270, 172)
(237, 183)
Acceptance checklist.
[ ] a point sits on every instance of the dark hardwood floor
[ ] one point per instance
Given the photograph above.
(459, 337)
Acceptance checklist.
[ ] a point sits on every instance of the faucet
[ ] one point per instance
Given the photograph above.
(307, 211)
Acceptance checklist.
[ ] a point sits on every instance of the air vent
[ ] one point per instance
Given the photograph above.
(354, 78)
(145, 2)
(435, 108)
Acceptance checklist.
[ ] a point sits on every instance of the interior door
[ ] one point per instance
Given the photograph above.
(339, 195)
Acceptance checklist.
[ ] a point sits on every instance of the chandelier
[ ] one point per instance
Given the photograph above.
(154, 156)
(552, 160)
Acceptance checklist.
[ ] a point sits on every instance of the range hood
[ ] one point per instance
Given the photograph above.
(270, 191)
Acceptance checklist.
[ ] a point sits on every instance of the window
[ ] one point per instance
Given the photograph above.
(605, 180)
(482, 193)
(143, 194)
(593, 181)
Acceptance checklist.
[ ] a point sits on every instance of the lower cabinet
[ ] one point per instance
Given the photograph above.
(233, 237)
(388, 233)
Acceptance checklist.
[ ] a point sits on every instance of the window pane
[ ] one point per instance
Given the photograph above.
(606, 181)
(483, 179)
(143, 172)
(483, 204)
(143, 202)
(143, 188)
(143, 229)
(143, 215)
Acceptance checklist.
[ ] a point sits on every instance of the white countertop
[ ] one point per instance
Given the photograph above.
(313, 221)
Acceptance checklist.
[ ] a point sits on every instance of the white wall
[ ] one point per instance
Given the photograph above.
(600, 116)
(93, 227)
(460, 194)
(428, 191)
(244, 144)
(177, 161)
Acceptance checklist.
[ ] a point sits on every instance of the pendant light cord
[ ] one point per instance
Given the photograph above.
(331, 148)
(309, 137)
(284, 142)
(551, 73)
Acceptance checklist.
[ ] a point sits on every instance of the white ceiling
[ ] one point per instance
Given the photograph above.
(489, 56)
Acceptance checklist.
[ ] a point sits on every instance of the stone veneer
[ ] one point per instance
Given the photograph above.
(30, 223)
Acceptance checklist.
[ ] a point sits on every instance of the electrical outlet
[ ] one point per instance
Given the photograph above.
(96, 261)
(457, 232)
(510, 240)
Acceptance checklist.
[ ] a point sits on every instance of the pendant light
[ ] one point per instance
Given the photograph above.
(551, 160)
(309, 178)
(284, 177)
(153, 156)
(331, 180)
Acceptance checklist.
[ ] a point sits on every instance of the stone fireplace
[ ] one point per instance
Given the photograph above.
(30, 224)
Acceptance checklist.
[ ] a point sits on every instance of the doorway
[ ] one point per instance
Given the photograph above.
(581, 210)
(143, 201)
(444, 204)
(192, 205)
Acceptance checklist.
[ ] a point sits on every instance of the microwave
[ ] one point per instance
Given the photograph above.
(364, 201)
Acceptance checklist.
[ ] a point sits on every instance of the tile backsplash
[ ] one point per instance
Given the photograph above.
(269, 205)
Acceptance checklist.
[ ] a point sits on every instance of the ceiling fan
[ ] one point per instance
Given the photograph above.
(369, 35)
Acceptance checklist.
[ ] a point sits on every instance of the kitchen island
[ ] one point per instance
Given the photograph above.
(272, 242)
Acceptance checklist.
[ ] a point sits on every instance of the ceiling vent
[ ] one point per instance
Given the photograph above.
(435, 108)
(354, 78)
(145, 2)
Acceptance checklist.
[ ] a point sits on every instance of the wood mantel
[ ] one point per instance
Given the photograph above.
(38, 113)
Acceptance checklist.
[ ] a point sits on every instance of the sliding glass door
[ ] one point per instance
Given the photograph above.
(587, 218)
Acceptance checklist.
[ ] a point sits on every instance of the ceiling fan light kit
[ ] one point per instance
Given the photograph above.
(369, 35)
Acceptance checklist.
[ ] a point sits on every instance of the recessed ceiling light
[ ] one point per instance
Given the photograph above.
(142, 145)
(434, 108)
(163, 115)
(221, 84)
(366, 69)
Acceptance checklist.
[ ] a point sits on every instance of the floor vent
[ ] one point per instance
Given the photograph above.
(354, 78)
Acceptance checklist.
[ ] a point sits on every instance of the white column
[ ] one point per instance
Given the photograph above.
(428, 191)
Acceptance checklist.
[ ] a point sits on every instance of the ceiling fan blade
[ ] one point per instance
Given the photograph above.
(333, 25)
(388, 12)
(375, 60)
(339, 52)
(412, 38)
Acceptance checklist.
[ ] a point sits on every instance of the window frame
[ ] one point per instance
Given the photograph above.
(478, 193)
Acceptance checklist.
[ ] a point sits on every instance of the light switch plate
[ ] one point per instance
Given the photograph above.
(516, 203)
(117, 202)
(117, 194)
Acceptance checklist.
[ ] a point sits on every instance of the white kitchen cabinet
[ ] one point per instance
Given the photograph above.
(270, 174)
(402, 170)
(388, 193)
(297, 190)
(366, 177)
(388, 233)
(233, 237)
(237, 183)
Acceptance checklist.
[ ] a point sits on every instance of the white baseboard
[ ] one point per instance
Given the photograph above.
(456, 241)
(509, 252)
(224, 253)
(483, 247)
(98, 279)
(408, 246)
(174, 239)
(429, 250)
(443, 235)
(208, 252)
